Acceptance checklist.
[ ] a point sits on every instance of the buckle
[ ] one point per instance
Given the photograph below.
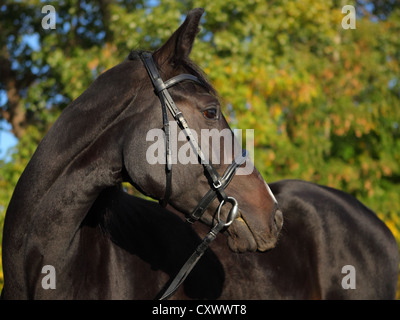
(217, 184)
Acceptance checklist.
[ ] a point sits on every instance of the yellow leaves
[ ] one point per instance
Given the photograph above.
(306, 93)
(386, 170)
(287, 85)
(108, 54)
(228, 69)
(365, 168)
(358, 133)
(332, 181)
(327, 74)
(294, 166)
(271, 156)
(368, 187)
(92, 64)
(336, 17)
(275, 111)
(270, 85)
(1, 263)
(364, 125)
(338, 128)
(360, 125)
(392, 221)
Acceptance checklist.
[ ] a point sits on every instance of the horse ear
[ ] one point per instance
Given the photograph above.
(179, 45)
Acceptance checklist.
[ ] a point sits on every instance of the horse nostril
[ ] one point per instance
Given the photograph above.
(278, 219)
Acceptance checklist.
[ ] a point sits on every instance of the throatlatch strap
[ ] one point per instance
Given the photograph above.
(168, 169)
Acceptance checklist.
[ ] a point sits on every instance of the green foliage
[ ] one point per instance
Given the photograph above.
(323, 101)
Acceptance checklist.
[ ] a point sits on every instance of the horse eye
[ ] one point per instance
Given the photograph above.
(210, 113)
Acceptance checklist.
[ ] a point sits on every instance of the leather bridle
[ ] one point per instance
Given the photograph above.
(217, 183)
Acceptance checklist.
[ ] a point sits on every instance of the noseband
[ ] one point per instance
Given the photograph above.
(216, 182)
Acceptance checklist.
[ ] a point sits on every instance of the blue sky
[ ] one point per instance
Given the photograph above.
(7, 139)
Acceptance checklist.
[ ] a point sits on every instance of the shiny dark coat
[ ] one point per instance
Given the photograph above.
(67, 212)
(130, 248)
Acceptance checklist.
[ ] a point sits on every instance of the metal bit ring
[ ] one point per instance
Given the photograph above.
(233, 213)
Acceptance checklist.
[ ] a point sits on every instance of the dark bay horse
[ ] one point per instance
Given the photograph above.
(99, 141)
(68, 211)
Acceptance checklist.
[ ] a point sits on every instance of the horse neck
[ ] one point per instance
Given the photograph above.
(76, 153)
(79, 157)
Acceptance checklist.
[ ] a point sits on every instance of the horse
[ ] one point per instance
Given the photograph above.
(99, 141)
(69, 211)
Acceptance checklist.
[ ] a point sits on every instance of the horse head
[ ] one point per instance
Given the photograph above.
(259, 220)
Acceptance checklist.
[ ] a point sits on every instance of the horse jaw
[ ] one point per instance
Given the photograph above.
(243, 237)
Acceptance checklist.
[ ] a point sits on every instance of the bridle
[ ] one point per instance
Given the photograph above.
(217, 183)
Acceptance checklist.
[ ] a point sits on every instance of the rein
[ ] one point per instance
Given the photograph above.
(217, 183)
